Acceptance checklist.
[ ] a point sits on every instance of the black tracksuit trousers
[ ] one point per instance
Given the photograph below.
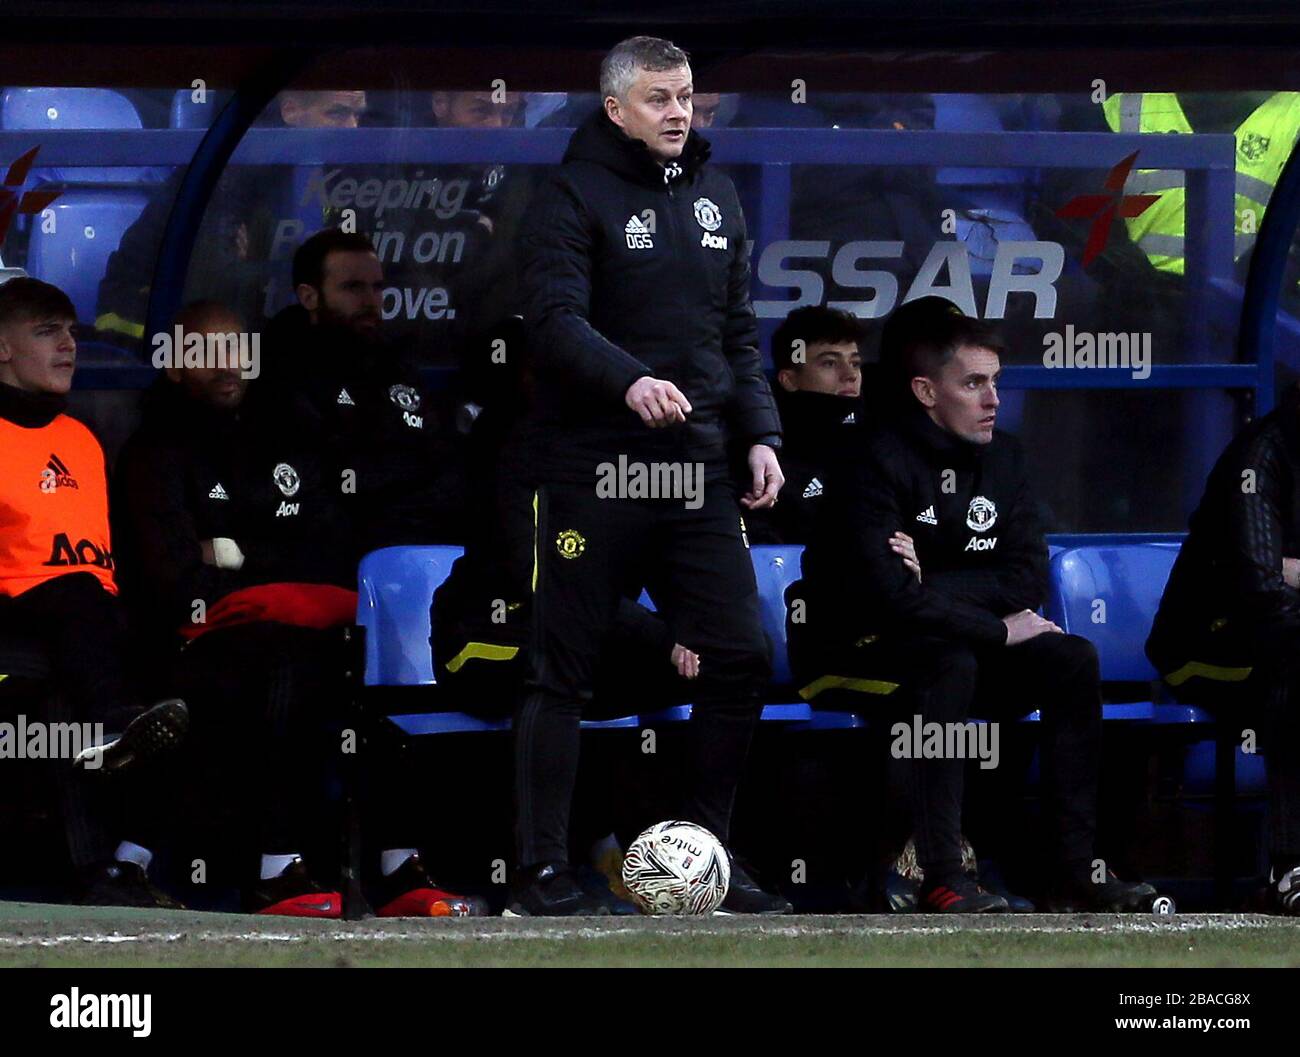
(1268, 700)
(590, 552)
(82, 628)
(944, 681)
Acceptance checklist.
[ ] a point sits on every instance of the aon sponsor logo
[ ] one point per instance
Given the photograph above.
(85, 552)
(977, 544)
(286, 509)
(715, 242)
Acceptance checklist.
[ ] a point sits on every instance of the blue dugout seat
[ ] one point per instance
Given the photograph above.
(46, 109)
(1110, 595)
(73, 251)
(395, 587)
(186, 113)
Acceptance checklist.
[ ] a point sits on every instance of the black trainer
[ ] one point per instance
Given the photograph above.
(746, 896)
(126, 884)
(1079, 894)
(155, 731)
(1284, 891)
(552, 891)
(958, 894)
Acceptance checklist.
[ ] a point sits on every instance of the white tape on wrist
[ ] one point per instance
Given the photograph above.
(226, 553)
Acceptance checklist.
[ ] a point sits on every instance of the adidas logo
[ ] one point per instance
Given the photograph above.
(345, 399)
(638, 234)
(218, 492)
(849, 419)
(926, 516)
(813, 490)
(56, 475)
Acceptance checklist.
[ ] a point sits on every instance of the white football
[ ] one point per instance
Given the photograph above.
(677, 868)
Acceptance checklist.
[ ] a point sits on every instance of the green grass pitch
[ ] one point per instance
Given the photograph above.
(60, 936)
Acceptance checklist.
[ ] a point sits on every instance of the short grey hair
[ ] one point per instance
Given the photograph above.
(618, 68)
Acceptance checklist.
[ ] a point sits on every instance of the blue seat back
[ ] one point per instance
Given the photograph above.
(775, 569)
(1110, 594)
(186, 113)
(395, 587)
(88, 226)
(56, 108)
(77, 108)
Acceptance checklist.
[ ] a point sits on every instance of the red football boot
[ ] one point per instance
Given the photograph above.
(294, 894)
(409, 892)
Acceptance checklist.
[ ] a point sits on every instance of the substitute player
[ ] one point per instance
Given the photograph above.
(57, 583)
(920, 587)
(1228, 628)
(636, 295)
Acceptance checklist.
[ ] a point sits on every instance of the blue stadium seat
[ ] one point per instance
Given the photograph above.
(395, 590)
(776, 567)
(395, 586)
(49, 109)
(965, 112)
(1128, 582)
(185, 113)
(56, 108)
(88, 225)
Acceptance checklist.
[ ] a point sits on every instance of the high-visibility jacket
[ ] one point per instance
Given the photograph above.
(53, 505)
(1264, 142)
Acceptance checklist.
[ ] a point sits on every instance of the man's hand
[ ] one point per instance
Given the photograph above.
(685, 661)
(658, 402)
(1025, 625)
(901, 544)
(767, 478)
(1291, 572)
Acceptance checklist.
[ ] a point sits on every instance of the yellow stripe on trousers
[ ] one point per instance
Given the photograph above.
(482, 651)
(846, 682)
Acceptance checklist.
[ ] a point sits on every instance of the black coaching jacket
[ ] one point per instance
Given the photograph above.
(192, 473)
(365, 411)
(632, 270)
(1228, 576)
(971, 513)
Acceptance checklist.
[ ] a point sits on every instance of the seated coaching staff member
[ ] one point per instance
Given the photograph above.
(358, 395)
(220, 504)
(1229, 621)
(950, 623)
(636, 294)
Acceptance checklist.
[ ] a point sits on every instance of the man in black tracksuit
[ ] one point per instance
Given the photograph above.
(643, 341)
(360, 398)
(944, 626)
(234, 537)
(1228, 629)
(819, 378)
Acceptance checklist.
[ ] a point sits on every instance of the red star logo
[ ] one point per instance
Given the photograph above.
(12, 201)
(1106, 207)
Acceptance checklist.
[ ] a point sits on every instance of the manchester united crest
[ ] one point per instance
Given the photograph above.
(981, 515)
(570, 543)
(707, 215)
